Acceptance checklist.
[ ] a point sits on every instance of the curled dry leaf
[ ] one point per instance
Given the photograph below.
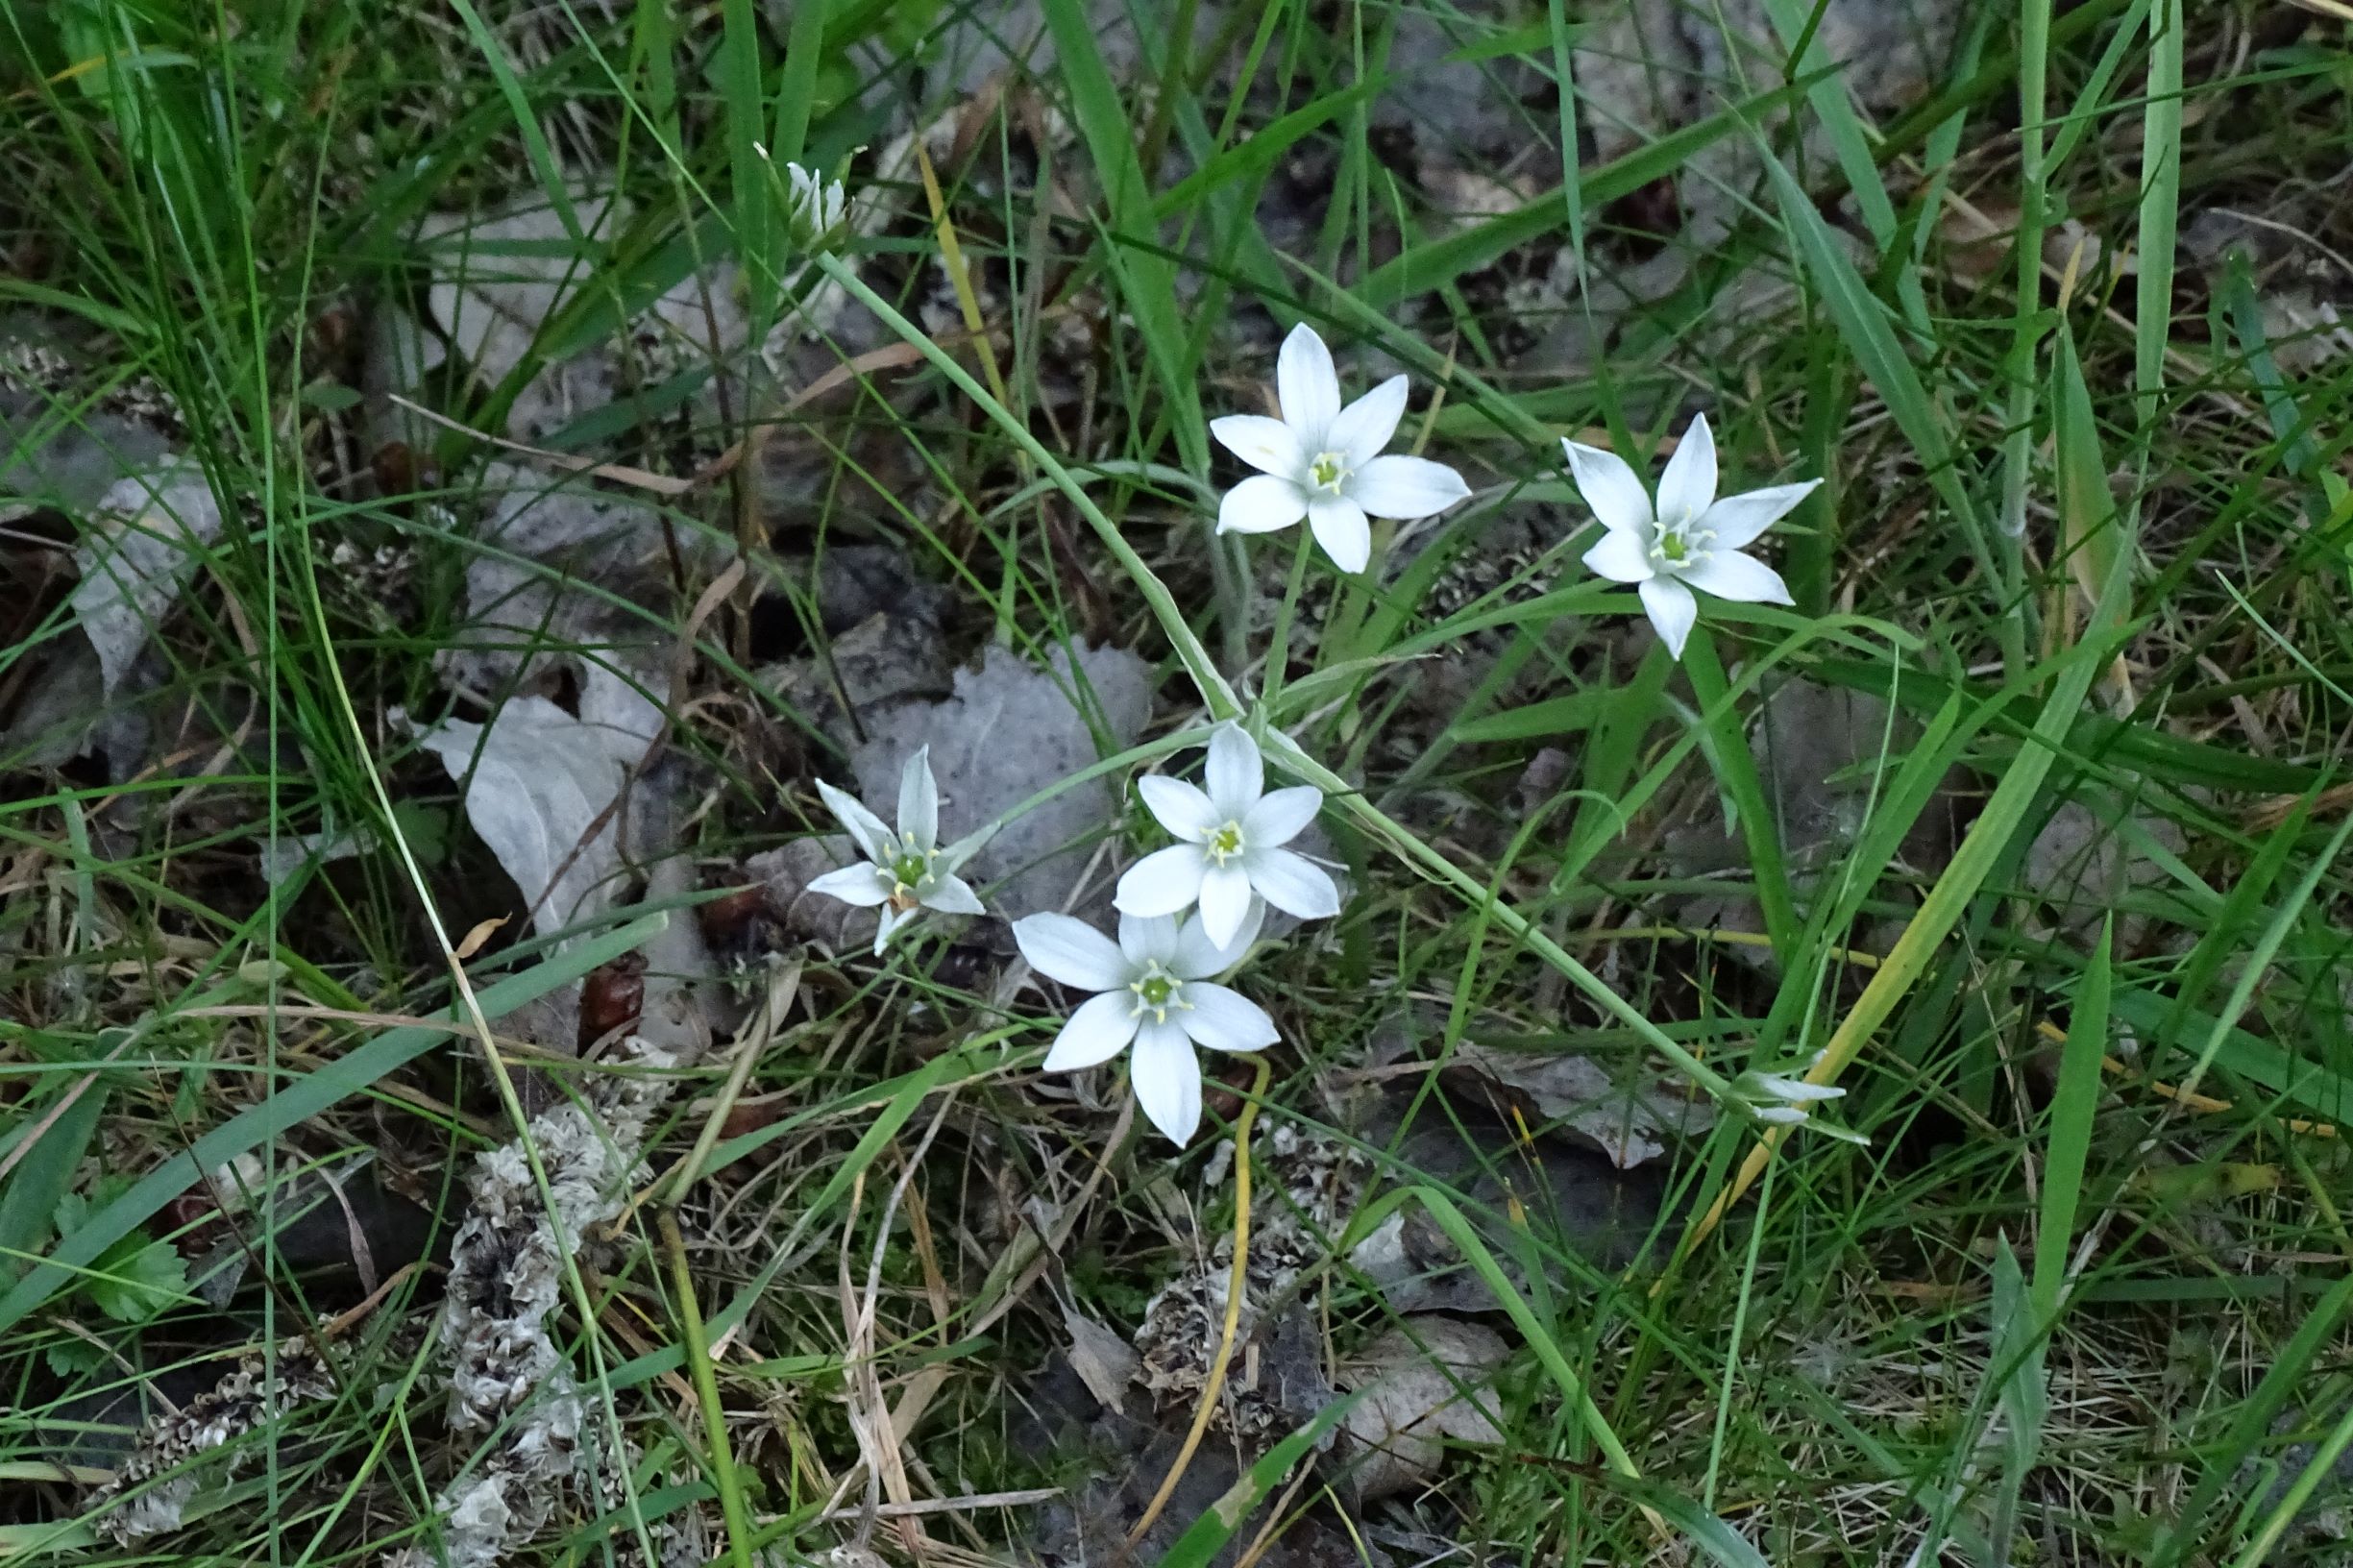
(540, 784)
(1104, 1362)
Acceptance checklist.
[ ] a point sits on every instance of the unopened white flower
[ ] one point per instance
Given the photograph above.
(1323, 462)
(1690, 539)
(1231, 837)
(1153, 992)
(905, 871)
(1780, 1100)
(813, 205)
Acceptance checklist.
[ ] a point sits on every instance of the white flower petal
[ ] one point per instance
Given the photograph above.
(1162, 882)
(952, 896)
(1739, 519)
(1728, 573)
(1672, 610)
(1167, 1080)
(1281, 815)
(1308, 385)
(1197, 958)
(1406, 488)
(1609, 488)
(857, 885)
(1262, 504)
(919, 803)
(1341, 527)
(1688, 485)
(1147, 939)
(1070, 951)
(1623, 556)
(1237, 775)
(1225, 901)
(1294, 884)
(873, 837)
(1778, 1116)
(1178, 806)
(1267, 445)
(1364, 426)
(1096, 1032)
(1779, 1088)
(891, 921)
(1225, 1020)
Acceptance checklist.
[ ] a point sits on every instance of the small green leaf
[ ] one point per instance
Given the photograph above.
(70, 1356)
(134, 1281)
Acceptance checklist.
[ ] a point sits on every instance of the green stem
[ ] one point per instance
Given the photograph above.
(706, 1389)
(1279, 650)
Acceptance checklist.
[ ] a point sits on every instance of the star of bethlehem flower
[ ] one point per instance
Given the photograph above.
(905, 871)
(1323, 462)
(1690, 539)
(1153, 993)
(1230, 838)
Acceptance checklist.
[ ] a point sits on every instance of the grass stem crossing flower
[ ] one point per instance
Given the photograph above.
(1231, 838)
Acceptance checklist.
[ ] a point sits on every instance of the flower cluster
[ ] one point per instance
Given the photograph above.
(1154, 987)
(1323, 462)
(1190, 912)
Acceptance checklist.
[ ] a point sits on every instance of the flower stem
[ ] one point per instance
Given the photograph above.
(1236, 1284)
(1279, 650)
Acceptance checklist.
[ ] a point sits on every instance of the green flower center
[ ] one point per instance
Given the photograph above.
(909, 871)
(1156, 992)
(1680, 544)
(1328, 473)
(1224, 844)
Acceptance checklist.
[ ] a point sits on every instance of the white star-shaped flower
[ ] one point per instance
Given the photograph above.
(1231, 837)
(1323, 462)
(1691, 539)
(905, 871)
(1154, 992)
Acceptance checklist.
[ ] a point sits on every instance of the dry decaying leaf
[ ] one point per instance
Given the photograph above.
(1629, 1122)
(1418, 1398)
(538, 781)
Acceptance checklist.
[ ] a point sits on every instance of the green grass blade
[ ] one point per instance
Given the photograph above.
(1148, 281)
(2160, 217)
(2073, 1103)
(1862, 320)
(293, 1103)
